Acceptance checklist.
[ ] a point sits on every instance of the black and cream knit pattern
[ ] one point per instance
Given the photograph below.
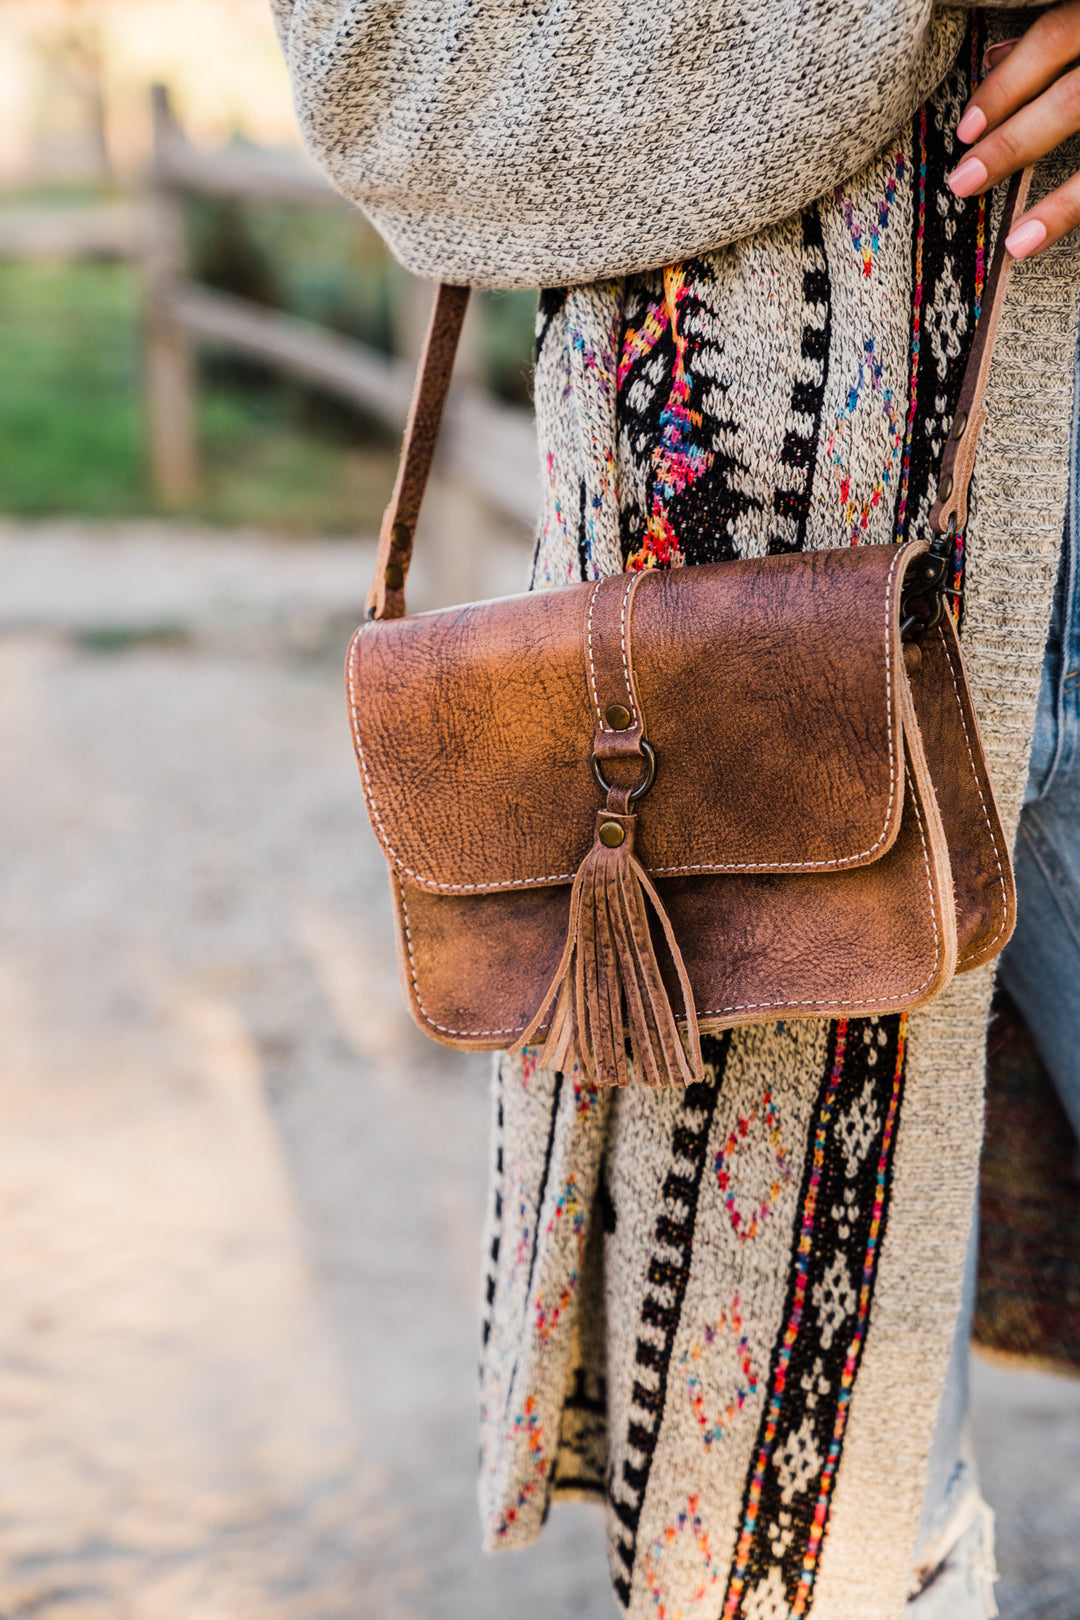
(727, 1311)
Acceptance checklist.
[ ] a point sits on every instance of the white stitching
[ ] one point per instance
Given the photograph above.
(592, 667)
(622, 637)
(444, 1029)
(384, 839)
(661, 871)
(709, 1012)
(626, 665)
(902, 995)
(839, 860)
(977, 950)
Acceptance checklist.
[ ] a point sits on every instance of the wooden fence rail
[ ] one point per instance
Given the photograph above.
(63, 231)
(487, 446)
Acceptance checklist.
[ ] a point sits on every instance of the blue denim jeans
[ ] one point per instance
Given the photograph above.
(1040, 968)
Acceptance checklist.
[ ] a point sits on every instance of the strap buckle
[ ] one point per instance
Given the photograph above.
(922, 600)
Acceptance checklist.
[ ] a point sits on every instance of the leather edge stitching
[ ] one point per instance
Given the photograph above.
(380, 826)
(444, 1029)
(901, 995)
(608, 730)
(837, 860)
(976, 951)
(504, 884)
(709, 1012)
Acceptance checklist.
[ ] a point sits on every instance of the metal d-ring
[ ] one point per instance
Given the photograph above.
(650, 773)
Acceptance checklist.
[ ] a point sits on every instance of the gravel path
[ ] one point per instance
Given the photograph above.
(240, 1196)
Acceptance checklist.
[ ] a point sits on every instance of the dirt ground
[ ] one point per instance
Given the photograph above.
(240, 1198)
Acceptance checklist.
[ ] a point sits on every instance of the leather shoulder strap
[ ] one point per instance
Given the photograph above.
(387, 598)
(958, 458)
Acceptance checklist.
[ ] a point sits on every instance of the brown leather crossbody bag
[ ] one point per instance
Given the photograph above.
(623, 812)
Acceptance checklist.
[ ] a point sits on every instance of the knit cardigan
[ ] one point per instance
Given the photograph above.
(525, 143)
(726, 1312)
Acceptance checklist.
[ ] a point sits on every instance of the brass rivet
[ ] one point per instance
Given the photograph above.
(617, 716)
(394, 577)
(944, 489)
(959, 424)
(611, 834)
(401, 536)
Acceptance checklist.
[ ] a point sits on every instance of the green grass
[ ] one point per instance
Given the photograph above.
(275, 457)
(273, 454)
(70, 439)
(72, 436)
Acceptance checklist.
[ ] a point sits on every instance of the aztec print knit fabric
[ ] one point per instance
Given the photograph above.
(524, 143)
(726, 1312)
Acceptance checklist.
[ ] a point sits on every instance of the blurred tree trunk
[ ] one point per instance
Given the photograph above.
(71, 142)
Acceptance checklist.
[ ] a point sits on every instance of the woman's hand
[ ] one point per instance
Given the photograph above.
(1026, 106)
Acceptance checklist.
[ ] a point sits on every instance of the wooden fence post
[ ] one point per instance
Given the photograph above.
(168, 359)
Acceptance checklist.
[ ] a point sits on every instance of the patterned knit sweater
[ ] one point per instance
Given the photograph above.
(726, 1312)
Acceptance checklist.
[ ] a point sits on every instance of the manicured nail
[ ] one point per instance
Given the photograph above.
(1026, 238)
(971, 125)
(996, 54)
(970, 177)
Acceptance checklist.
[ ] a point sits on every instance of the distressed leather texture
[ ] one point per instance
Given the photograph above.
(821, 831)
(771, 698)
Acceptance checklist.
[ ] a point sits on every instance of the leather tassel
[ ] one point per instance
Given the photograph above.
(608, 984)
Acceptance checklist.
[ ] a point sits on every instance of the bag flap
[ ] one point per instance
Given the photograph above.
(769, 690)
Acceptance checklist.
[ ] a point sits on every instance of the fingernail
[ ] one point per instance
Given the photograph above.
(970, 177)
(971, 125)
(1026, 238)
(994, 55)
